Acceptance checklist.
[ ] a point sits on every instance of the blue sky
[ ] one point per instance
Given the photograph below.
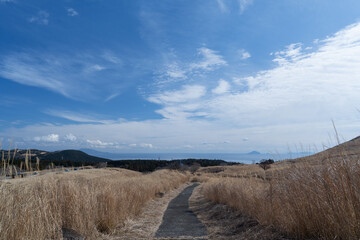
(179, 76)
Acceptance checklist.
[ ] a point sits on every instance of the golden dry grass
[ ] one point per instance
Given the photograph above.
(89, 202)
(318, 199)
(147, 223)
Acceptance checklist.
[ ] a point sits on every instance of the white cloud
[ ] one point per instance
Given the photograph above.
(187, 93)
(99, 143)
(47, 138)
(174, 71)
(309, 87)
(244, 54)
(72, 12)
(42, 18)
(210, 60)
(223, 87)
(222, 5)
(146, 145)
(180, 104)
(292, 53)
(70, 137)
(304, 87)
(243, 4)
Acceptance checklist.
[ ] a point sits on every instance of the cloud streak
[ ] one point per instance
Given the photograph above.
(74, 77)
(78, 117)
(243, 4)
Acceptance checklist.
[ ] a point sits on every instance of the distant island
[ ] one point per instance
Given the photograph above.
(254, 153)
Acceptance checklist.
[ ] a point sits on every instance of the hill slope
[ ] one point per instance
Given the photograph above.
(349, 149)
(71, 155)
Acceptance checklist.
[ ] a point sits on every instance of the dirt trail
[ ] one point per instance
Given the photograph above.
(179, 222)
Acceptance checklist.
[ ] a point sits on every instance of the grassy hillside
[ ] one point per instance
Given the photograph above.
(312, 197)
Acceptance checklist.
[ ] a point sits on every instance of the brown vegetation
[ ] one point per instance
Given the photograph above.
(89, 202)
(305, 199)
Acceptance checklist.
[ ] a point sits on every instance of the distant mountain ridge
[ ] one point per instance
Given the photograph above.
(72, 155)
(77, 158)
(63, 155)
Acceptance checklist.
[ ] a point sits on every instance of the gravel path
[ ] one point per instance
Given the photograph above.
(179, 222)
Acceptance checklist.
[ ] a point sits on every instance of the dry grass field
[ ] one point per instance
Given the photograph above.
(90, 202)
(314, 197)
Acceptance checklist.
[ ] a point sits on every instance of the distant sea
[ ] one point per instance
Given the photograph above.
(230, 157)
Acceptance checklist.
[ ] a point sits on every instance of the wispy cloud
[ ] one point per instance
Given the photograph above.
(243, 4)
(71, 12)
(244, 54)
(292, 52)
(112, 96)
(222, 5)
(175, 71)
(210, 60)
(111, 57)
(185, 94)
(42, 17)
(77, 117)
(95, 68)
(73, 76)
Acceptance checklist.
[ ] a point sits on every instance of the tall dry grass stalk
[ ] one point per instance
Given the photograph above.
(8, 159)
(304, 201)
(4, 163)
(27, 161)
(2, 156)
(29, 158)
(37, 164)
(87, 201)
